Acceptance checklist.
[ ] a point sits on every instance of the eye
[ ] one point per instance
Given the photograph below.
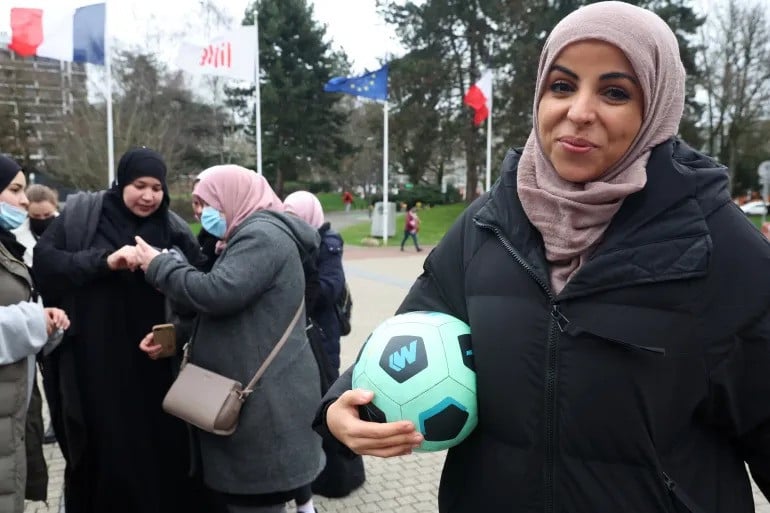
(561, 87)
(616, 94)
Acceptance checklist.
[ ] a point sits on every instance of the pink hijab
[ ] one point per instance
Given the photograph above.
(237, 192)
(306, 206)
(572, 217)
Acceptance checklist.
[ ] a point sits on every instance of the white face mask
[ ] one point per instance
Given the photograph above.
(11, 217)
(213, 222)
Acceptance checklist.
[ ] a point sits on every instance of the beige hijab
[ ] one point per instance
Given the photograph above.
(572, 217)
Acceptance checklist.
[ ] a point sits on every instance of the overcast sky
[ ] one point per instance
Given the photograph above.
(351, 24)
(159, 26)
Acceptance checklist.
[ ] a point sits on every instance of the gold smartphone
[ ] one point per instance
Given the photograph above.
(165, 336)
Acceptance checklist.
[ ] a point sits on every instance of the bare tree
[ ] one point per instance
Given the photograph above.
(735, 59)
(151, 107)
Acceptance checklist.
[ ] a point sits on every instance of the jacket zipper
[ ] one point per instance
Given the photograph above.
(565, 326)
(685, 499)
(551, 374)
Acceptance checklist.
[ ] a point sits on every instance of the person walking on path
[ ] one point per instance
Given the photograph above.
(347, 199)
(411, 227)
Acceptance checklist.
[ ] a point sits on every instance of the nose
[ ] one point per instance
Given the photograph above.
(582, 110)
(23, 200)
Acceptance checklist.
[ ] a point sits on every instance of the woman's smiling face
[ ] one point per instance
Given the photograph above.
(590, 111)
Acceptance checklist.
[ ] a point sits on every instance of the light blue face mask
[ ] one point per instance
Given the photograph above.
(213, 222)
(11, 217)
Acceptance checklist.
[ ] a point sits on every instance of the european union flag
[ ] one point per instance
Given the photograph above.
(372, 84)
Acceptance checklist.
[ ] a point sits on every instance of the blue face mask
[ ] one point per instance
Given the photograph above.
(11, 217)
(213, 222)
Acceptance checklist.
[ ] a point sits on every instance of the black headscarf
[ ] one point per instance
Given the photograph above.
(118, 224)
(9, 168)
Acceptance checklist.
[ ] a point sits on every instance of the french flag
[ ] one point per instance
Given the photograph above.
(479, 97)
(74, 34)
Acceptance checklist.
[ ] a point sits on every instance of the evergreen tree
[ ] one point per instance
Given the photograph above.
(462, 37)
(301, 126)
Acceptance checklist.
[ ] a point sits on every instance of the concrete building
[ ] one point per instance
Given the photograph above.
(35, 96)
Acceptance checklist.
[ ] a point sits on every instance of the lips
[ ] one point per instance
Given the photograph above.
(576, 144)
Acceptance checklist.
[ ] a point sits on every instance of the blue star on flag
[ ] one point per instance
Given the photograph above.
(372, 84)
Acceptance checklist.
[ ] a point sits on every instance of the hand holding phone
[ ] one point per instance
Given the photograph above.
(164, 335)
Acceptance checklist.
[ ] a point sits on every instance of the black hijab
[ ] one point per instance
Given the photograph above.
(118, 224)
(9, 168)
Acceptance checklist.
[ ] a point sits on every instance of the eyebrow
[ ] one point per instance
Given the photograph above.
(606, 76)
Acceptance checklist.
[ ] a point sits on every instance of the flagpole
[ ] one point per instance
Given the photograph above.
(257, 98)
(385, 173)
(108, 70)
(489, 150)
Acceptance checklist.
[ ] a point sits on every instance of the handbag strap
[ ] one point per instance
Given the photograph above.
(262, 368)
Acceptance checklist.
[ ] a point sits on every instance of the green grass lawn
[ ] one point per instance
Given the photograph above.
(434, 224)
(332, 202)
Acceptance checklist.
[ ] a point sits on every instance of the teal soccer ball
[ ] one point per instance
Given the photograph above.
(420, 367)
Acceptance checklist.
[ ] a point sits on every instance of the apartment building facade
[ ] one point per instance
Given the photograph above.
(36, 94)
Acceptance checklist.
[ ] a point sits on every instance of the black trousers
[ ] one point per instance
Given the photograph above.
(408, 234)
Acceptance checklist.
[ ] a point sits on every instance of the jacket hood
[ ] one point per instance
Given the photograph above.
(305, 236)
(661, 228)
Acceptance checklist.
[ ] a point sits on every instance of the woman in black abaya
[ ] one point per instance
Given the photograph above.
(123, 453)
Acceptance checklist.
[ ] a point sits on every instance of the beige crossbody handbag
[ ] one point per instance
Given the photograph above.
(209, 400)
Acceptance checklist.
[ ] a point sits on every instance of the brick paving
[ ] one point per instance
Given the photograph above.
(379, 278)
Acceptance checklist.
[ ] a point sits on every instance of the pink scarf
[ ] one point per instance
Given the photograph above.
(306, 206)
(572, 217)
(237, 192)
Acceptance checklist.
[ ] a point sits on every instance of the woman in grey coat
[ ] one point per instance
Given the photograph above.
(244, 305)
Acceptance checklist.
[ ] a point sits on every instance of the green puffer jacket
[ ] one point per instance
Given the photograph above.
(16, 287)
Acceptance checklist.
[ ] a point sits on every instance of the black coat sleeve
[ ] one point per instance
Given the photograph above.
(58, 270)
(752, 408)
(738, 356)
(439, 288)
(331, 276)
(189, 247)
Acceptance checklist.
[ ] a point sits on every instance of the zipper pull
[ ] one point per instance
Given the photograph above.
(561, 321)
(670, 484)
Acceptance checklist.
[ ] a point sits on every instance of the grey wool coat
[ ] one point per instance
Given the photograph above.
(244, 305)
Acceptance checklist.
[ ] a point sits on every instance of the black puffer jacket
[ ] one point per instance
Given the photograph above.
(644, 385)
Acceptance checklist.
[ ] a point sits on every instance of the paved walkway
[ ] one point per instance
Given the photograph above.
(379, 278)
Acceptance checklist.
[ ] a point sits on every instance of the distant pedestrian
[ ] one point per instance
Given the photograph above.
(347, 199)
(411, 227)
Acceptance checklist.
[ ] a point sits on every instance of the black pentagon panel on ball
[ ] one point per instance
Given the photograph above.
(403, 357)
(464, 341)
(445, 424)
(369, 412)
